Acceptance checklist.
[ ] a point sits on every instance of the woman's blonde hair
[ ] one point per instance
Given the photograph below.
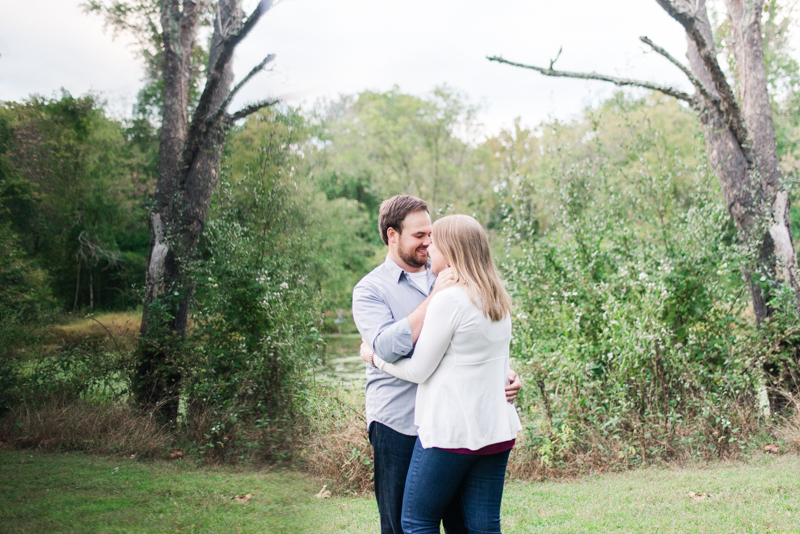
(465, 247)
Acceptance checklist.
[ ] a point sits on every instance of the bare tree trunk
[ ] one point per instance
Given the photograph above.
(77, 286)
(745, 19)
(734, 162)
(91, 290)
(188, 172)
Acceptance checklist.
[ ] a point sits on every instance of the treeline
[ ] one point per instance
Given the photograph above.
(76, 185)
(632, 327)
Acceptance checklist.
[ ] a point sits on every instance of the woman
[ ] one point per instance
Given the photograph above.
(466, 427)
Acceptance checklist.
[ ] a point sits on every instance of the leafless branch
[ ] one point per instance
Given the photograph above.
(262, 7)
(702, 89)
(252, 108)
(553, 61)
(727, 101)
(258, 68)
(622, 82)
(199, 122)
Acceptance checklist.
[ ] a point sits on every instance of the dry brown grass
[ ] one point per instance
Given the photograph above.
(120, 327)
(336, 446)
(79, 425)
(788, 429)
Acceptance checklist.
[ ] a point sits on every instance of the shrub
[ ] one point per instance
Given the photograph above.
(631, 322)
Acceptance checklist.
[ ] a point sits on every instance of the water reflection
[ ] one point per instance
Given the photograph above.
(341, 361)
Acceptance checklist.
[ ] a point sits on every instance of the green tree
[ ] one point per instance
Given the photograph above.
(275, 254)
(377, 145)
(74, 194)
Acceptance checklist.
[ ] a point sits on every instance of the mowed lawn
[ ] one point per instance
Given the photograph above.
(78, 493)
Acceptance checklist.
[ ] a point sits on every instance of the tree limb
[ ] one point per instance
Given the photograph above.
(622, 82)
(258, 68)
(702, 89)
(553, 61)
(252, 108)
(199, 123)
(262, 7)
(727, 100)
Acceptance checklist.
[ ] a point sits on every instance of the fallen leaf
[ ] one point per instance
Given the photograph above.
(133, 456)
(697, 496)
(243, 498)
(177, 453)
(772, 448)
(88, 441)
(324, 493)
(3, 443)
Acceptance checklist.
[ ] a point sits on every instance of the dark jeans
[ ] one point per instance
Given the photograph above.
(436, 477)
(392, 453)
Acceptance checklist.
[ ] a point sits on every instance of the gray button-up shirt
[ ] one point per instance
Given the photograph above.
(382, 301)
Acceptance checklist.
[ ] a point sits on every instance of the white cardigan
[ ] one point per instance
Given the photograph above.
(461, 365)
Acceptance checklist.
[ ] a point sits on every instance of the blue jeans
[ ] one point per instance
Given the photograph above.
(392, 453)
(436, 477)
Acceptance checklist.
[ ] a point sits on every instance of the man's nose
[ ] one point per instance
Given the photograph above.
(426, 242)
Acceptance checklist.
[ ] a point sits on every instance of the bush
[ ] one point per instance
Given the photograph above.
(631, 321)
(25, 303)
(57, 424)
(256, 333)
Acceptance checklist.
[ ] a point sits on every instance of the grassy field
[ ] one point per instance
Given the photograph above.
(78, 493)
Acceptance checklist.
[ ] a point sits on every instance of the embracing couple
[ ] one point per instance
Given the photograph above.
(436, 323)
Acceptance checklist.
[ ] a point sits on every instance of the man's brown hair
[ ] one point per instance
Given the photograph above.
(394, 210)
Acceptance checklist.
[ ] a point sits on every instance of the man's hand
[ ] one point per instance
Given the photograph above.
(444, 279)
(512, 390)
(367, 352)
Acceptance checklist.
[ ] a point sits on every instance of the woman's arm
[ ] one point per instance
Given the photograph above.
(441, 321)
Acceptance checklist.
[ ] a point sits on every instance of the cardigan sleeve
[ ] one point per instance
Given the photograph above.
(441, 321)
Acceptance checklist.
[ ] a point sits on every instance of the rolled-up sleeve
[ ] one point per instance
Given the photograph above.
(437, 332)
(391, 339)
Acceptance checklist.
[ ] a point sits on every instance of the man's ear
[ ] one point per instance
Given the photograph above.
(392, 234)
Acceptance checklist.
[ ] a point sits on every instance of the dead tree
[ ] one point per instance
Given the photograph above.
(188, 169)
(740, 136)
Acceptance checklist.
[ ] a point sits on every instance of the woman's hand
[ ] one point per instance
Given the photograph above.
(366, 352)
(445, 279)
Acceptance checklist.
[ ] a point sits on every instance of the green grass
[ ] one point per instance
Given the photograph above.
(78, 493)
(762, 496)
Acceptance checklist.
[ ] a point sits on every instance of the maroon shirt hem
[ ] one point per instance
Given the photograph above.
(494, 448)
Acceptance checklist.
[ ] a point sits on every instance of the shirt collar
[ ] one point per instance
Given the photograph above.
(396, 272)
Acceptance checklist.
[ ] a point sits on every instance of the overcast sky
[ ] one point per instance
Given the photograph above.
(328, 47)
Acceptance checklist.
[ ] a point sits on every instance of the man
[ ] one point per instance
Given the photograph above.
(389, 307)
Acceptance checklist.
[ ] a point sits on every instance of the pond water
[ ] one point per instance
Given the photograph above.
(340, 360)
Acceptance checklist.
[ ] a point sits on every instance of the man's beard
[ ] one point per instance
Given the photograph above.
(411, 258)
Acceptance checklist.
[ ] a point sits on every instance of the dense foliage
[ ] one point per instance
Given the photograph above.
(631, 304)
(276, 252)
(74, 188)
